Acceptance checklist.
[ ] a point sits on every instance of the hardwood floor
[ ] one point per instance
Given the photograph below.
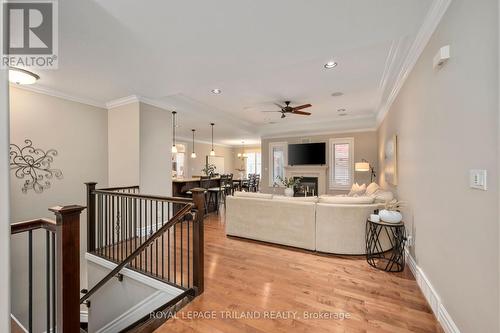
(246, 278)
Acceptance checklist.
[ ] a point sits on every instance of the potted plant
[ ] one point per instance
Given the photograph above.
(289, 184)
(391, 213)
(209, 170)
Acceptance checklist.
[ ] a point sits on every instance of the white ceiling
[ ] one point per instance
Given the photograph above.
(258, 52)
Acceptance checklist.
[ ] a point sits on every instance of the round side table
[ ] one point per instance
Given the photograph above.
(393, 259)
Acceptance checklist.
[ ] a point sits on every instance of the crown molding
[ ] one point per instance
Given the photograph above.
(54, 93)
(123, 101)
(431, 21)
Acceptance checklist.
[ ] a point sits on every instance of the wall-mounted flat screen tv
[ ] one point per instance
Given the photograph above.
(307, 153)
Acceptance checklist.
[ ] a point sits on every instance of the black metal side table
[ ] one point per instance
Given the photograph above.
(377, 255)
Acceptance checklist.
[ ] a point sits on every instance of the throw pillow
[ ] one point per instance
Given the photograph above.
(372, 189)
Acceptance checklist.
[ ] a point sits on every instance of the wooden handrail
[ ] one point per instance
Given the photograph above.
(119, 188)
(23, 226)
(145, 196)
(174, 220)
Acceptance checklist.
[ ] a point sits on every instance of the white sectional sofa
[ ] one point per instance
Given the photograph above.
(326, 224)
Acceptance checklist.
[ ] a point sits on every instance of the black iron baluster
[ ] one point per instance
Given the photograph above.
(181, 224)
(47, 273)
(162, 242)
(30, 281)
(140, 232)
(150, 234)
(156, 241)
(54, 300)
(99, 223)
(123, 224)
(168, 246)
(188, 254)
(113, 216)
(135, 229)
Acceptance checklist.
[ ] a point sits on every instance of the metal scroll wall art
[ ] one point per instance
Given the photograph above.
(34, 164)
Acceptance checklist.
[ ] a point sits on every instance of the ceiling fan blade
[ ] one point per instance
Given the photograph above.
(281, 107)
(271, 111)
(300, 107)
(301, 113)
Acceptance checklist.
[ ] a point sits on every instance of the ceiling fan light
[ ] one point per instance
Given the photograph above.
(22, 76)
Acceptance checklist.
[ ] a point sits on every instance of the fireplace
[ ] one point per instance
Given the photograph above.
(307, 187)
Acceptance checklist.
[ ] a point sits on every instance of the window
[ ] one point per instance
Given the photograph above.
(277, 161)
(341, 163)
(253, 162)
(178, 160)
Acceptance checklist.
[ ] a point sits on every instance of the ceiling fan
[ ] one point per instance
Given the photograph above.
(293, 110)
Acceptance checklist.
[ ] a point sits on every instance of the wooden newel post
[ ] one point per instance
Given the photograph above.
(67, 267)
(198, 240)
(91, 216)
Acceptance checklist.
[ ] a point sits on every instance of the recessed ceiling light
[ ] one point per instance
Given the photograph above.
(342, 114)
(272, 122)
(216, 91)
(337, 94)
(22, 76)
(341, 110)
(330, 64)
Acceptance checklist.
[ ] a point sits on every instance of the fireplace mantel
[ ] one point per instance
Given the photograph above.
(319, 171)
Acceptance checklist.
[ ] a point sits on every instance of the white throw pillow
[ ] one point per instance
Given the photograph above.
(256, 195)
(347, 200)
(301, 199)
(372, 189)
(382, 196)
(357, 190)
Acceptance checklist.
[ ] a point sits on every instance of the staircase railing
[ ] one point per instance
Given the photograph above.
(62, 252)
(160, 237)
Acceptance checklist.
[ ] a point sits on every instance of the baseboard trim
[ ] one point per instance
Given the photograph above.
(18, 323)
(431, 296)
(151, 303)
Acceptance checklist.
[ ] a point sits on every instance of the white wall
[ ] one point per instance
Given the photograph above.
(123, 141)
(79, 133)
(155, 150)
(194, 166)
(4, 199)
(447, 123)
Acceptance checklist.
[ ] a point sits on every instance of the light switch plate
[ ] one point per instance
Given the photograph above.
(478, 179)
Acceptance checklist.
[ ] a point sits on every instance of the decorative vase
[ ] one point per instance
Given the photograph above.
(390, 216)
(289, 191)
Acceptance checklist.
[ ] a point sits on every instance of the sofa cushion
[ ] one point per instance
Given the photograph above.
(372, 189)
(301, 199)
(253, 195)
(346, 200)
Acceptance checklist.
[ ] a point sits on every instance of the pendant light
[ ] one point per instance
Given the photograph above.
(193, 154)
(212, 152)
(242, 154)
(174, 148)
